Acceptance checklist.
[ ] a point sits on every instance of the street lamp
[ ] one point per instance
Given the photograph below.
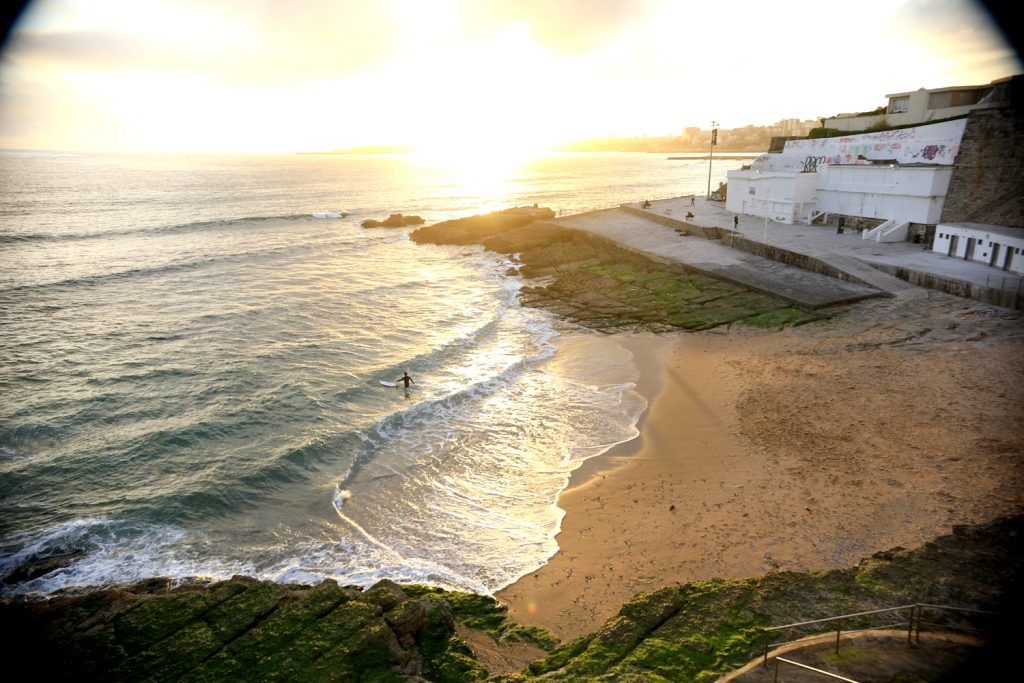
(711, 154)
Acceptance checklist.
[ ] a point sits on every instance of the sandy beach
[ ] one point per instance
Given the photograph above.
(805, 449)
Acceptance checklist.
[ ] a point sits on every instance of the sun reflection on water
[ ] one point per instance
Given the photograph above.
(487, 176)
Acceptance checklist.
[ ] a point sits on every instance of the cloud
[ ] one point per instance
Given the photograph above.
(566, 26)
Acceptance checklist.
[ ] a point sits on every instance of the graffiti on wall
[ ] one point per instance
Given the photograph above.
(936, 143)
(811, 163)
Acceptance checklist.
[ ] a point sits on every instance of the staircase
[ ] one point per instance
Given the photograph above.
(889, 231)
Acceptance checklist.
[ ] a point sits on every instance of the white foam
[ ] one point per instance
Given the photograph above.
(340, 496)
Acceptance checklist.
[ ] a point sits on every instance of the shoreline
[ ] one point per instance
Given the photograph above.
(648, 350)
(628, 481)
(807, 449)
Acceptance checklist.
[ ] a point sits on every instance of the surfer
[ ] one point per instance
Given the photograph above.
(406, 379)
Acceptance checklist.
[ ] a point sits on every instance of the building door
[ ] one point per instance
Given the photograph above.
(953, 244)
(1007, 257)
(994, 259)
(971, 241)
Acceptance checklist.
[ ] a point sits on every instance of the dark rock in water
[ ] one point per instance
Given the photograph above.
(395, 220)
(475, 229)
(155, 586)
(40, 566)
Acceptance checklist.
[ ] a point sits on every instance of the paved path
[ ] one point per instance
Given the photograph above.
(799, 286)
(823, 242)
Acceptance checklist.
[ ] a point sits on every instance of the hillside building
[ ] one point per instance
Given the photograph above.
(925, 105)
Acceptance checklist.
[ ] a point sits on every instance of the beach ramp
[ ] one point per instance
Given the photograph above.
(709, 257)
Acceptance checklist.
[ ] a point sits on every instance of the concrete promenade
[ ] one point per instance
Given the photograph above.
(802, 287)
(856, 259)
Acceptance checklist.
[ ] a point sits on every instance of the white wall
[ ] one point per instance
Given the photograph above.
(902, 193)
(847, 182)
(782, 197)
(997, 249)
(936, 143)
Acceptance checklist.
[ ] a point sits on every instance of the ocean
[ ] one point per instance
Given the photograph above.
(190, 366)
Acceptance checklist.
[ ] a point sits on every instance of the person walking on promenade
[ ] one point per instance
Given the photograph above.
(692, 200)
(735, 222)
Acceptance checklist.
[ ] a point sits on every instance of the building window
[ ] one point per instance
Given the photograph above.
(899, 104)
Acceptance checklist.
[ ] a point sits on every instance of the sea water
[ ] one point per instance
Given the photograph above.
(190, 366)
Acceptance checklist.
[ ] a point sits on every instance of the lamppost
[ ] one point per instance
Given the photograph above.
(711, 154)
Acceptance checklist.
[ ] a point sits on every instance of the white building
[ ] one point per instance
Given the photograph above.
(993, 245)
(780, 196)
(896, 176)
(899, 195)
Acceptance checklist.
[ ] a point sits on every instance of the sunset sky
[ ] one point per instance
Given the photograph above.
(313, 75)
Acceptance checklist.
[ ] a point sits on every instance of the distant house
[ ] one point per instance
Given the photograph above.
(924, 105)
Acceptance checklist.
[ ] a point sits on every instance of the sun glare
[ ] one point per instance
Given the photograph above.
(483, 172)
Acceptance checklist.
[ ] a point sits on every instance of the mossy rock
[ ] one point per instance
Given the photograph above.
(248, 630)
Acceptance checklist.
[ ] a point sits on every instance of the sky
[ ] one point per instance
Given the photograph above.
(461, 75)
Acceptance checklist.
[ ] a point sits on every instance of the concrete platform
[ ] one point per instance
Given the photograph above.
(802, 287)
(823, 242)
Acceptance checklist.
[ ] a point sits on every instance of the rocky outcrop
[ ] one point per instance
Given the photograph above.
(599, 284)
(479, 228)
(244, 629)
(700, 630)
(395, 220)
(35, 567)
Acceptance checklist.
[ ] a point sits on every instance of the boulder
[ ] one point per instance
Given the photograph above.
(40, 566)
(395, 220)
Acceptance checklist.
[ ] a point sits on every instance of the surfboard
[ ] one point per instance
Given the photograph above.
(386, 383)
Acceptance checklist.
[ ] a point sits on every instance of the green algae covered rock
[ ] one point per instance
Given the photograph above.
(248, 630)
(599, 284)
(701, 630)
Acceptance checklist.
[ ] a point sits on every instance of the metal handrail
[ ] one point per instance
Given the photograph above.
(809, 668)
(956, 609)
(914, 620)
(841, 616)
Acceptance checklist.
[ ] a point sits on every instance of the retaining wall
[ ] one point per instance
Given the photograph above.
(1006, 298)
(986, 182)
(791, 258)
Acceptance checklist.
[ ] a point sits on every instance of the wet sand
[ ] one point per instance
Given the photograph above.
(805, 449)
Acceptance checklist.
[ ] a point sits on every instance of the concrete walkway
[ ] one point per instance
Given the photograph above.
(823, 242)
(793, 284)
